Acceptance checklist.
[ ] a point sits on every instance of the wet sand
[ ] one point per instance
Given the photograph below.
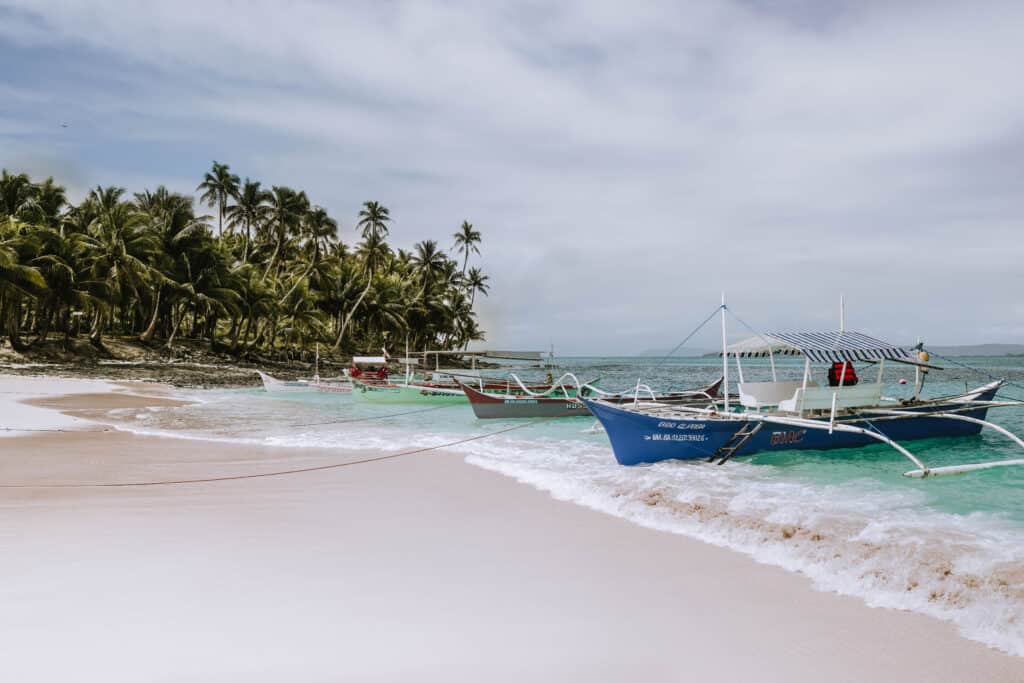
(417, 568)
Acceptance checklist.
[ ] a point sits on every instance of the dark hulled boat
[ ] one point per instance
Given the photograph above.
(563, 402)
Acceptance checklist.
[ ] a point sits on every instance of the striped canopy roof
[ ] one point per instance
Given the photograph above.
(821, 347)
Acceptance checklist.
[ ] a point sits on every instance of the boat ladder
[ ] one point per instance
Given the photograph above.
(729, 448)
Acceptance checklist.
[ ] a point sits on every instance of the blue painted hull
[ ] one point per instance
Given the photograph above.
(637, 438)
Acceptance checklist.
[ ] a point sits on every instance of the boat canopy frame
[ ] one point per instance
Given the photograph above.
(820, 347)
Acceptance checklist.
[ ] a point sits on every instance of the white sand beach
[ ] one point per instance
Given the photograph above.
(418, 568)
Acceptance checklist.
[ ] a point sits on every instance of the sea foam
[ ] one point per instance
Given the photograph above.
(861, 536)
(855, 538)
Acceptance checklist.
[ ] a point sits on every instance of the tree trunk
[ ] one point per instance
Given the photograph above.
(348, 317)
(298, 282)
(245, 334)
(273, 257)
(174, 332)
(44, 320)
(65, 322)
(13, 323)
(211, 321)
(96, 334)
(248, 238)
(151, 330)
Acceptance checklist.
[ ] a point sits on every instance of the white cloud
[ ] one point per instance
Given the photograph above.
(625, 164)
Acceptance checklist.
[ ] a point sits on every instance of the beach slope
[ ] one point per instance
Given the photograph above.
(416, 568)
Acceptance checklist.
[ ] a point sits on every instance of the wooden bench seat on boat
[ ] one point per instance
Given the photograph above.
(820, 398)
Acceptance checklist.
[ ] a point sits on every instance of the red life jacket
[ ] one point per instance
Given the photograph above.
(837, 375)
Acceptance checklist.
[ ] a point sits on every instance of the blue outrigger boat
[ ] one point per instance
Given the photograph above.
(800, 414)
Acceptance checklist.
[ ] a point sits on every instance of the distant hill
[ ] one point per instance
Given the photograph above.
(979, 350)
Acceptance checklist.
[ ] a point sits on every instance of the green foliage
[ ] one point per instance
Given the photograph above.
(275, 278)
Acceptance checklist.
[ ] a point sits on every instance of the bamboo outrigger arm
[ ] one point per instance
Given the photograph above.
(557, 385)
(960, 469)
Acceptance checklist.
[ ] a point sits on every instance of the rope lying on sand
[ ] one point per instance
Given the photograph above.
(62, 431)
(279, 473)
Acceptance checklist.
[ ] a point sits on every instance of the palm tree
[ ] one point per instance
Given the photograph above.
(373, 219)
(16, 281)
(470, 332)
(375, 255)
(218, 185)
(60, 261)
(383, 310)
(256, 301)
(320, 230)
(45, 204)
(343, 297)
(428, 264)
(476, 281)
(176, 232)
(250, 209)
(466, 240)
(16, 192)
(105, 199)
(286, 209)
(275, 278)
(119, 261)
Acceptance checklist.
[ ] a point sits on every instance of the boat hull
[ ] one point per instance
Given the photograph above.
(405, 394)
(637, 438)
(502, 407)
(505, 406)
(334, 386)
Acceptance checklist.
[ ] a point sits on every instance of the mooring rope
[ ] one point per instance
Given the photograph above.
(278, 473)
(686, 339)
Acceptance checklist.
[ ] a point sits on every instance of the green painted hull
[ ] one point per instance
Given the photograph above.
(402, 394)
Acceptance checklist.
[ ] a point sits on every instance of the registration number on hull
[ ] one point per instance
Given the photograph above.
(674, 437)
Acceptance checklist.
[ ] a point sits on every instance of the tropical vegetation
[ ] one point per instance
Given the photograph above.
(266, 273)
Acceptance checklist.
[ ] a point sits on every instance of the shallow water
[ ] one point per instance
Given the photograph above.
(951, 547)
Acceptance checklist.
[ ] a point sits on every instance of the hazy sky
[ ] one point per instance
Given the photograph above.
(625, 162)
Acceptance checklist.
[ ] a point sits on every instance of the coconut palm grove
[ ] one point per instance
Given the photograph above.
(264, 272)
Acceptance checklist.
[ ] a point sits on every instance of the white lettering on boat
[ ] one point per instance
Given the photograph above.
(674, 437)
(666, 424)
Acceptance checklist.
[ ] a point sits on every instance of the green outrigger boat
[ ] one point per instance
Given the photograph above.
(406, 393)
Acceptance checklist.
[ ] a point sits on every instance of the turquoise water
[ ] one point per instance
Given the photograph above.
(952, 547)
(996, 491)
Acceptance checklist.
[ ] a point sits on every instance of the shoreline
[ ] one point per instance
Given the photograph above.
(459, 571)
